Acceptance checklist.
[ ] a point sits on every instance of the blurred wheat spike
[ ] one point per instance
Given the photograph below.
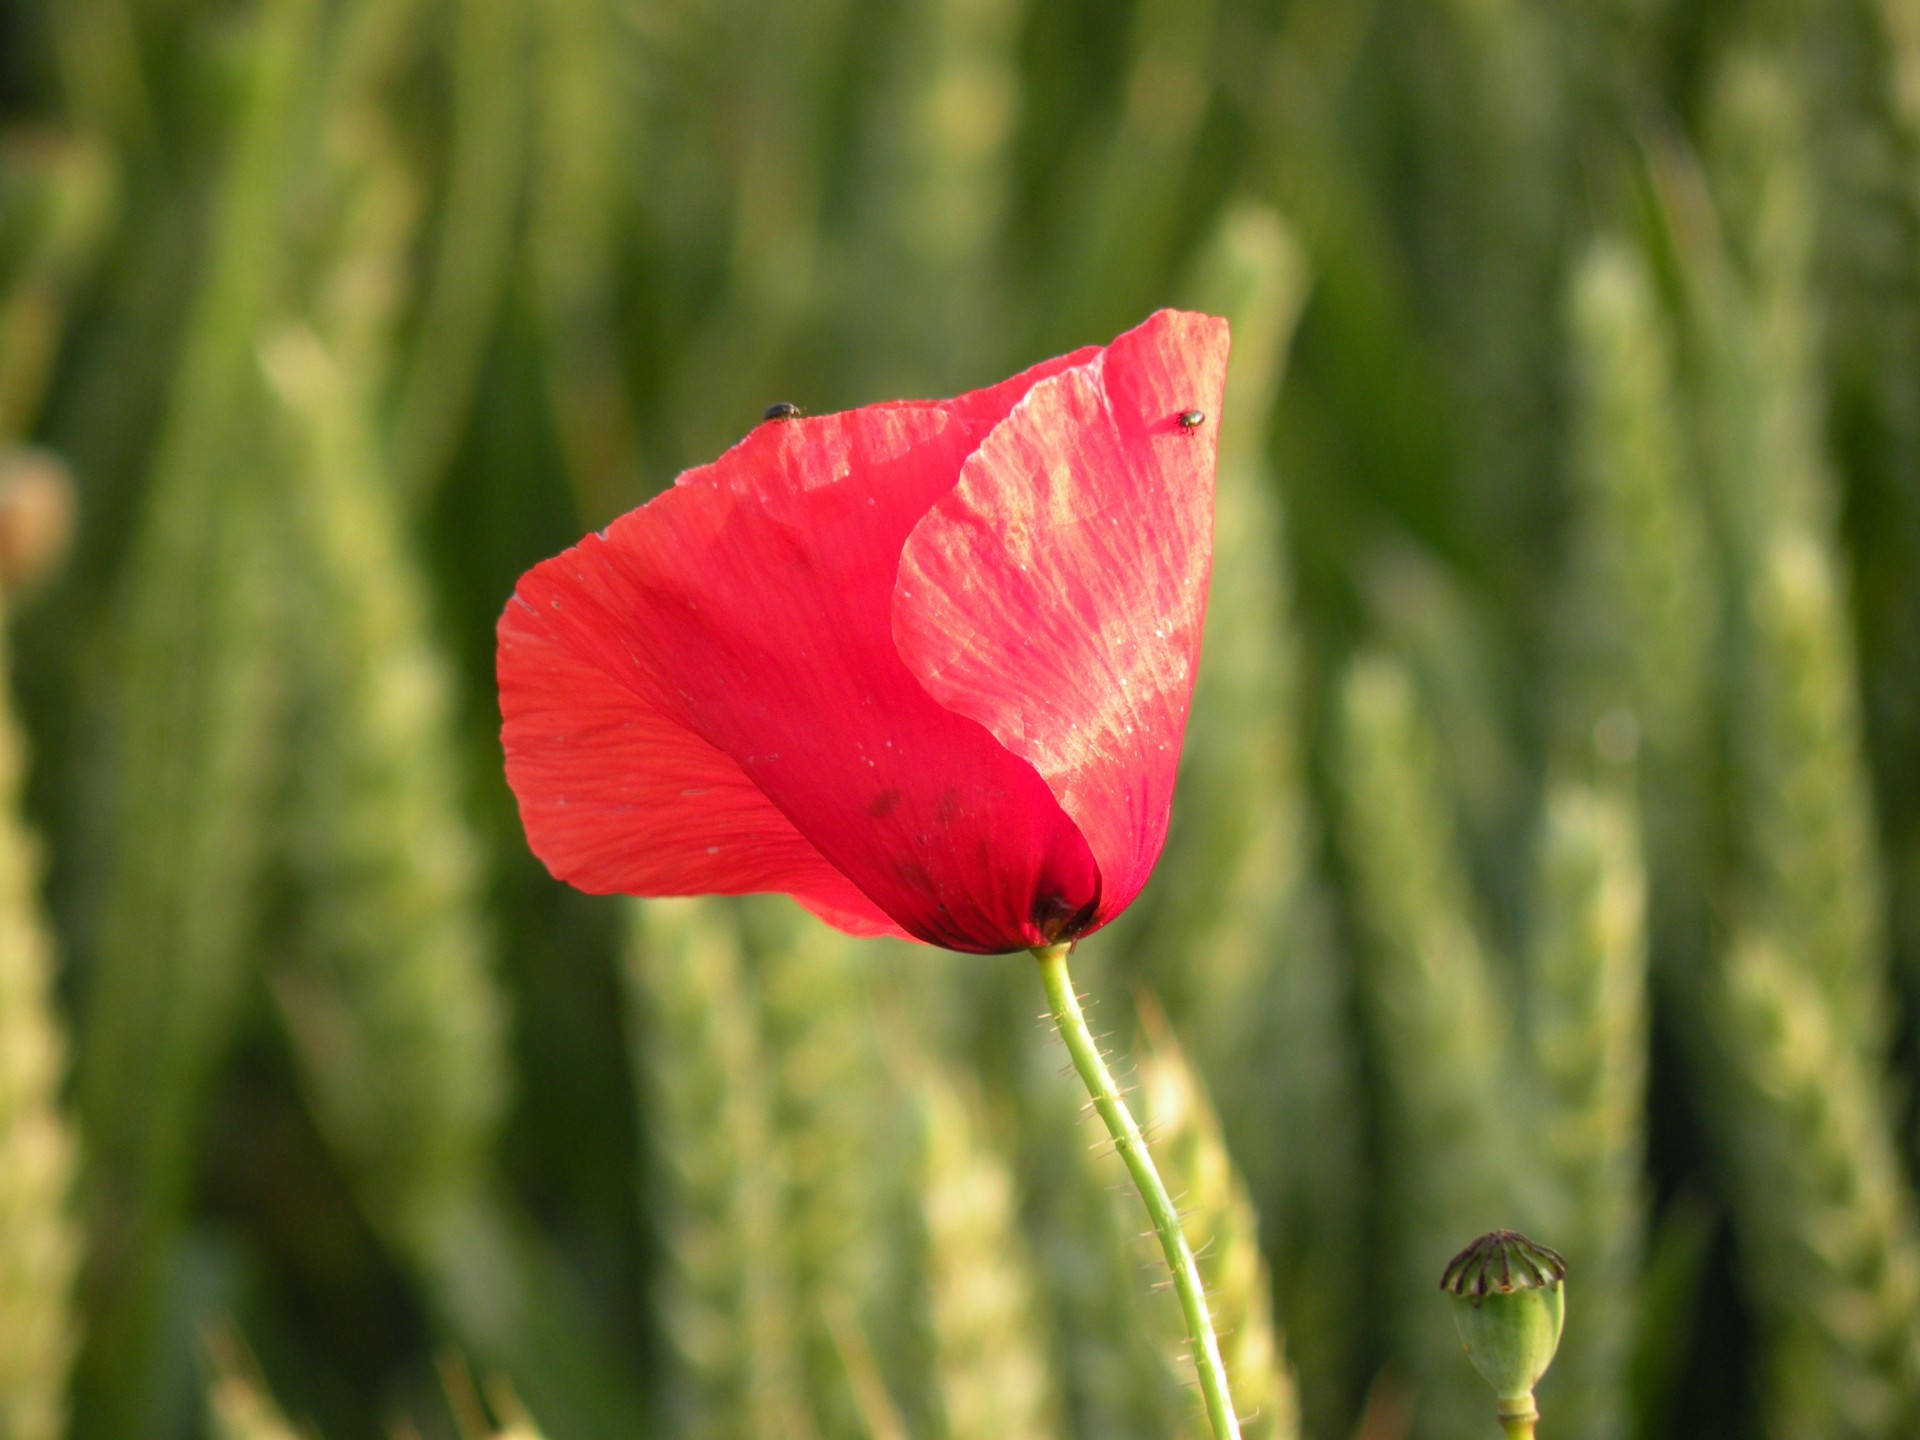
(844, 1146)
(39, 1241)
(1234, 935)
(1808, 834)
(1647, 613)
(1568, 511)
(1823, 1201)
(1440, 1018)
(1809, 849)
(198, 695)
(1220, 1223)
(1814, 865)
(390, 1000)
(1587, 1034)
(715, 1177)
(1828, 1214)
(1235, 850)
(988, 1359)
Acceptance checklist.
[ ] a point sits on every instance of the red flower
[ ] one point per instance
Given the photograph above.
(924, 666)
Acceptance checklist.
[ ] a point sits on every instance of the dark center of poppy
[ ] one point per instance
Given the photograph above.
(1058, 918)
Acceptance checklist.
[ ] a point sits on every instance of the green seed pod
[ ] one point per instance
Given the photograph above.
(1509, 1304)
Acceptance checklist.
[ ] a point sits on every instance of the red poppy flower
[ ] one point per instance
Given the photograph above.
(924, 666)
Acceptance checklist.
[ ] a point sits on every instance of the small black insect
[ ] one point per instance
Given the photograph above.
(1191, 420)
(785, 410)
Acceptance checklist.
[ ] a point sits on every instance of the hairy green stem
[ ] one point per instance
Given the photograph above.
(1146, 1179)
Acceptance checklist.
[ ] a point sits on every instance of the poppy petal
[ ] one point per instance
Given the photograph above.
(1056, 593)
(751, 607)
(618, 799)
(988, 407)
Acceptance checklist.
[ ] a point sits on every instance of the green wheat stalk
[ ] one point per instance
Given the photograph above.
(934, 221)
(485, 172)
(1130, 209)
(55, 207)
(754, 208)
(39, 1240)
(584, 118)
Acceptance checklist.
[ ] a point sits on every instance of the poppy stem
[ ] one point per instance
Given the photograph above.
(1146, 1179)
(1517, 1424)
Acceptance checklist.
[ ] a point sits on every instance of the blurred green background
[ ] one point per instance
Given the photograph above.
(1548, 848)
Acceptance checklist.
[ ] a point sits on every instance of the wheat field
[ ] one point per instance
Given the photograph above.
(1547, 852)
